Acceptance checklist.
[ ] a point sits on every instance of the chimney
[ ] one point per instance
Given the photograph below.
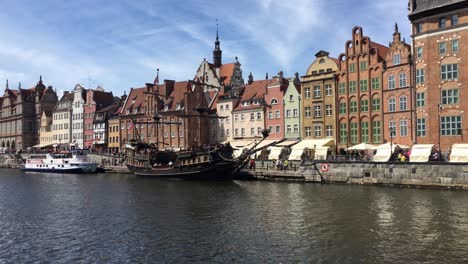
(168, 87)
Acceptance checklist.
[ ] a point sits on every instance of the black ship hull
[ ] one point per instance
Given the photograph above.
(216, 170)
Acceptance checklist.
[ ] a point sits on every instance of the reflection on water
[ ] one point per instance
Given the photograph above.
(117, 218)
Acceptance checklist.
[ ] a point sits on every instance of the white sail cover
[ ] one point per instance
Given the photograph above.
(421, 152)
(459, 153)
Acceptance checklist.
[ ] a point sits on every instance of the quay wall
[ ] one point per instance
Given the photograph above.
(425, 175)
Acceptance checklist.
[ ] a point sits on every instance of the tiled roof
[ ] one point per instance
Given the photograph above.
(135, 100)
(256, 90)
(225, 72)
(177, 96)
(102, 99)
(425, 5)
(382, 49)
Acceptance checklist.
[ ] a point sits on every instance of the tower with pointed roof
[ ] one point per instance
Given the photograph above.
(217, 53)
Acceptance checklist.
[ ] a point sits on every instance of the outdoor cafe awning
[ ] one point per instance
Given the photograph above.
(459, 153)
(274, 152)
(319, 145)
(384, 151)
(421, 152)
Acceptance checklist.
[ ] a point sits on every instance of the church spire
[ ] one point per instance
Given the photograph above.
(396, 34)
(6, 86)
(217, 53)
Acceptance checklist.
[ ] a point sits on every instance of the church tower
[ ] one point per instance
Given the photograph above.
(217, 53)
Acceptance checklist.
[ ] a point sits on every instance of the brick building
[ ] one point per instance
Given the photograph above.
(95, 100)
(274, 110)
(398, 96)
(359, 90)
(439, 29)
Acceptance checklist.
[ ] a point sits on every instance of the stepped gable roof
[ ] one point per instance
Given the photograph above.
(177, 96)
(420, 6)
(225, 72)
(255, 90)
(135, 100)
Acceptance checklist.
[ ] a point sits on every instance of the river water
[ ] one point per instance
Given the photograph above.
(53, 218)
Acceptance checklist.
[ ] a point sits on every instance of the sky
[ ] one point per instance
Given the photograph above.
(119, 44)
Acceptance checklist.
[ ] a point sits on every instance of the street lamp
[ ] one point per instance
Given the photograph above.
(392, 134)
(439, 109)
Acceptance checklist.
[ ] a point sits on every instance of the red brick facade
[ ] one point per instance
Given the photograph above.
(439, 42)
(397, 93)
(359, 91)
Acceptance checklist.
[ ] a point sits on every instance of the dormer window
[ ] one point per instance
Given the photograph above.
(128, 111)
(135, 111)
(245, 103)
(166, 107)
(133, 100)
(256, 102)
(178, 106)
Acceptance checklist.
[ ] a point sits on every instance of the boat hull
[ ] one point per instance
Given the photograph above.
(219, 171)
(81, 168)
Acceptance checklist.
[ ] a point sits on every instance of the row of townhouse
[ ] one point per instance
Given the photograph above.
(402, 92)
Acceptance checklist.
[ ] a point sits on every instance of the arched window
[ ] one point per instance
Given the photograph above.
(274, 101)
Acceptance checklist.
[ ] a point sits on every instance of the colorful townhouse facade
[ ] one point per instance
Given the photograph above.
(62, 121)
(292, 109)
(275, 106)
(398, 96)
(79, 101)
(439, 32)
(318, 93)
(359, 98)
(95, 100)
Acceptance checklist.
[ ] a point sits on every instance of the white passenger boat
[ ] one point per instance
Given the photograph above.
(76, 161)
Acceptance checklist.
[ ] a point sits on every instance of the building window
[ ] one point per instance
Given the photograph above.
(242, 131)
(364, 105)
(442, 48)
(288, 113)
(421, 127)
(450, 125)
(352, 86)
(402, 77)
(363, 85)
(365, 132)
(307, 92)
(402, 103)
(419, 52)
(454, 19)
(278, 129)
(252, 117)
(296, 128)
(259, 116)
(270, 115)
(291, 98)
(228, 132)
(449, 72)
(295, 112)
(391, 82)
(353, 107)
(307, 112)
(227, 107)
(317, 91)
(242, 117)
(353, 127)
(343, 133)
(363, 66)
(419, 76)
(329, 131)
(252, 131)
(403, 128)
(259, 130)
(420, 99)
(352, 67)
(396, 59)
(375, 83)
(270, 129)
(450, 96)
(317, 110)
(392, 104)
(376, 132)
(318, 131)
(342, 108)
(442, 22)
(288, 129)
(236, 118)
(277, 114)
(328, 89)
(418, 28)
(341, 88)
(308, 131)
(221, 107)
(274, 101)
(328, 110)
(455, 46)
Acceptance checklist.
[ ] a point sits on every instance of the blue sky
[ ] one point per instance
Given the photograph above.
(119, 44)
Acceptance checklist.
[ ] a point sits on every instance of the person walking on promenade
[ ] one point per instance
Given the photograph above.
(286, 164)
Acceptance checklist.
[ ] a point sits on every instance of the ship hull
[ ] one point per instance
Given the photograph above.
(218, 171)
